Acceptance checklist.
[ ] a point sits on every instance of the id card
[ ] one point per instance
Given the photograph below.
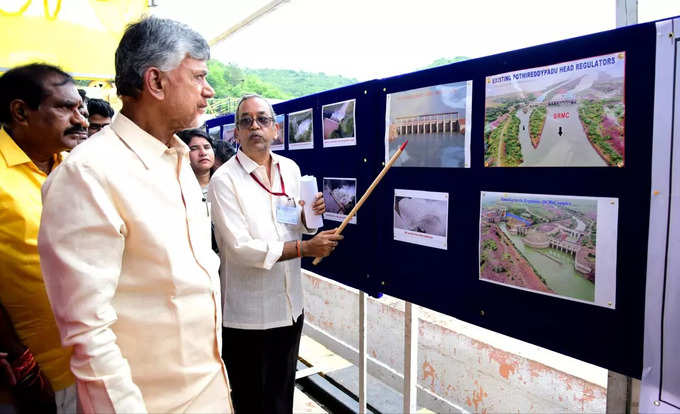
(287, 214)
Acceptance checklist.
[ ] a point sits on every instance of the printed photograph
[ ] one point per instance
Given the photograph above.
(228, 131)
(340, 196)
(215, 133)
(549, 244)
(434, 120)
(421, 217)
(278, 143)
(338, 124)
(569, 114)
(301, 130)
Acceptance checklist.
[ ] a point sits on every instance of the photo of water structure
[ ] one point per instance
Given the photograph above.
(434, 120)
(421, 217)
(340, 196)
(569, 114)
(338, 124)
(301, 130)
(549, 244)
(215, 133)
(228, 131)
(278, 142)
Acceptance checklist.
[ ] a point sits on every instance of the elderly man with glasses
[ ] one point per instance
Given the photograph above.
(258, 227)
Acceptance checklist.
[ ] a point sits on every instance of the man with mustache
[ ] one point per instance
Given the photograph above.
(258, 226)
(125, 240)
(39, 112)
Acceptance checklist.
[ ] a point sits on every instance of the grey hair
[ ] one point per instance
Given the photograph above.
(244, 98)
(154, 42)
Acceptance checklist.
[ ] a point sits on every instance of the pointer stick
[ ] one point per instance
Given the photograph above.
(366, 194)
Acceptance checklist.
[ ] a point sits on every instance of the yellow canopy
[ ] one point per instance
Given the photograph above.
(80, 36)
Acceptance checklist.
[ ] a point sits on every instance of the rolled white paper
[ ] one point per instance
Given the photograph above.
(308, 190)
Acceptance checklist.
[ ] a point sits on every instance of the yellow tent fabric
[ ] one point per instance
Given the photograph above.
(80, 36)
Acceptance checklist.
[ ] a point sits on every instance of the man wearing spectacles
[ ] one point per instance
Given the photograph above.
(100, 115)
(258, 227)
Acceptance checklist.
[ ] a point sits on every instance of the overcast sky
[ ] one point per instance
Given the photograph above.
(368, 39)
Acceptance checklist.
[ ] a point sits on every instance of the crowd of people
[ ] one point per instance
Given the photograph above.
(112, 295)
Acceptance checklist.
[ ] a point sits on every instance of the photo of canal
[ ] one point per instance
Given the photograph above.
(433, 120)
(569, 114)
(548, 244)
(556, 267)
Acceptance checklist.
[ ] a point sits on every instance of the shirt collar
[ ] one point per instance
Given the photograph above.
(14, 155)
(148, 148)
(10, 151)
(249, 165)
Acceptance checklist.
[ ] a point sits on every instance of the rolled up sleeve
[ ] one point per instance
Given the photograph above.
(232, 232)
(81, 257)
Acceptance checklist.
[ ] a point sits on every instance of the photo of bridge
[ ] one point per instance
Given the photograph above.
(541, 243)
(569, 114)
(433, 120)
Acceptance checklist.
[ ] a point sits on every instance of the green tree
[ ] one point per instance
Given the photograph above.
(445, 61)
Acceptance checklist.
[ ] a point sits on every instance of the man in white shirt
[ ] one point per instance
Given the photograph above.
(125, 240)
(258, 226)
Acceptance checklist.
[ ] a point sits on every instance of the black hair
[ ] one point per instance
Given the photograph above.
(187, 134)
(83, 95)
(99, 107)
(224, 151)
(28, 84)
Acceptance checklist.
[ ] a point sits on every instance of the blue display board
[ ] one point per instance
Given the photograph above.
(447, 278)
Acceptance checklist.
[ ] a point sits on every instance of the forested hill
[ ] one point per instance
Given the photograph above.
(445, 61)
(296, 83)
(231, 80)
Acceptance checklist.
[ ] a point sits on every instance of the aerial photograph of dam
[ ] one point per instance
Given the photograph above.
(542, 243)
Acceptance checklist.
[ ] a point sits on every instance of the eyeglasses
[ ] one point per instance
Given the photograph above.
(246, 121)
(96, 127)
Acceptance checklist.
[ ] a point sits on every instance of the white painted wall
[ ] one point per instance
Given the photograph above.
(461, 367)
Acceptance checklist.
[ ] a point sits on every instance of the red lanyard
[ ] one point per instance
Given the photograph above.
(283, 186)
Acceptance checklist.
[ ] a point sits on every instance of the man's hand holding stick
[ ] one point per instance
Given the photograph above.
(366, 194)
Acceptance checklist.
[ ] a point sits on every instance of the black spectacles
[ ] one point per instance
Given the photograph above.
(246, 121)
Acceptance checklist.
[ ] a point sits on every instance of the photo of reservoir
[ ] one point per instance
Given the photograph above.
(554, 245)
(340, 196)
(569, 114)
(300, 130)
(278, 142)
(339, 124)
(434, 120)
(421, 217)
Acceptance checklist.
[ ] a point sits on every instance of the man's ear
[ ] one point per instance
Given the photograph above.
(236, 134)
(19, 111)
(153, 82)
